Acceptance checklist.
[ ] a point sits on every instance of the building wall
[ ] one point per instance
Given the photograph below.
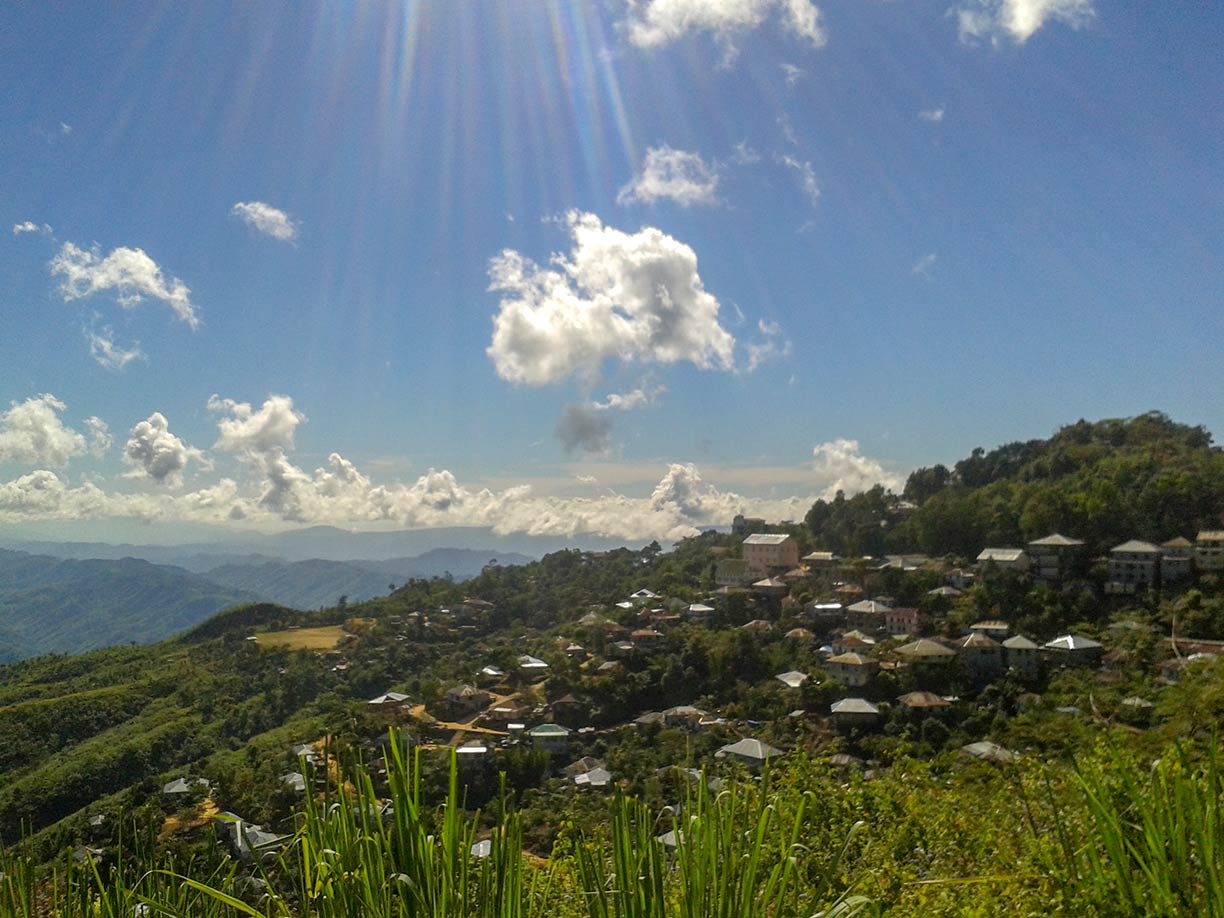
(1130, 571)
(1209, 554)
(764, 558)
(849, 675)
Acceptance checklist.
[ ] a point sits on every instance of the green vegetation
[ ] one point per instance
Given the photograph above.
(1145, 477)
(1111, 836)
(1111, 809)
(53, 606)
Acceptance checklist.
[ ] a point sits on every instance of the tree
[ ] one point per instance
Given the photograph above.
(924, 483)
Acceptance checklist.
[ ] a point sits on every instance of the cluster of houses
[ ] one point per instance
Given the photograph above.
(1135, 566)
(772, 561)
(858, 637)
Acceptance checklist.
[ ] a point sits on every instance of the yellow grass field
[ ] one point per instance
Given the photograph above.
(325, 638)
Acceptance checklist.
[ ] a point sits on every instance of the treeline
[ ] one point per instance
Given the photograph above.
(1146, 477)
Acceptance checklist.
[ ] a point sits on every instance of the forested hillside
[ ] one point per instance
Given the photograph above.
(48, 605)
(315, 583)
(1146, 477)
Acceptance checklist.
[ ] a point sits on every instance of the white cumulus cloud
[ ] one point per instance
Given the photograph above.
(674, 175)
(680, 504)
(932, 115)
(248, 430)
(654, 23)
(32, 432)
(841, 466)
(633, 297)
(130, 273)
(1018, 20)
(276, 490)
(266, 219)
(154, 452)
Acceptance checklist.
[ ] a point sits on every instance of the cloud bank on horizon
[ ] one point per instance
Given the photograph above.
(273, 489)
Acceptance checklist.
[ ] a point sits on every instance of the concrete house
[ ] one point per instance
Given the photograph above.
(1134, 567)
(853, 641)
(1209, 550)
(1003, 559)
(1073, 650)
(852, 669)
(925, 652)
(750, 752)
(466, 699)
(792, 679)
(903, 621)
(742, 525)
(698, 613)
(983, 658)
(1177, 560)
(532, 666)
(186, 786)
(1023, 656)
(389, 701)
(852, 712)
(774, 587)
(818, 561)
(992, 628)
(1055, 557)
(550, 737)
(568, 708)
(867, 615)
(923, 702)
(766, 552)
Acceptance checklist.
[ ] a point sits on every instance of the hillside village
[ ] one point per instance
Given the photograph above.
(1069, 600)
(865, 652)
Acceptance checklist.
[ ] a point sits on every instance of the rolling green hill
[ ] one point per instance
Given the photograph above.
(1105, 482)
(48, 605)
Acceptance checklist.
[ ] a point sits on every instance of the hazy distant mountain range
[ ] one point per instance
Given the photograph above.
(71, 597)
(50, 605)
(194, 547)
(314, 583)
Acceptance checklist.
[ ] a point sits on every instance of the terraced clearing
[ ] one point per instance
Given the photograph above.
(327, 637)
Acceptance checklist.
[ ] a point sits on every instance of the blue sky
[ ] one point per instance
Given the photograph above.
(748, 251)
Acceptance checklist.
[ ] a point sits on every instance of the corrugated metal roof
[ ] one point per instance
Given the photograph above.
(854, 706)
(1137, 547)
(1001, 554)
(766, 538)
(1057, 540)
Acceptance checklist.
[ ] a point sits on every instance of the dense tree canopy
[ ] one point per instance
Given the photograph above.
(1146, 477)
